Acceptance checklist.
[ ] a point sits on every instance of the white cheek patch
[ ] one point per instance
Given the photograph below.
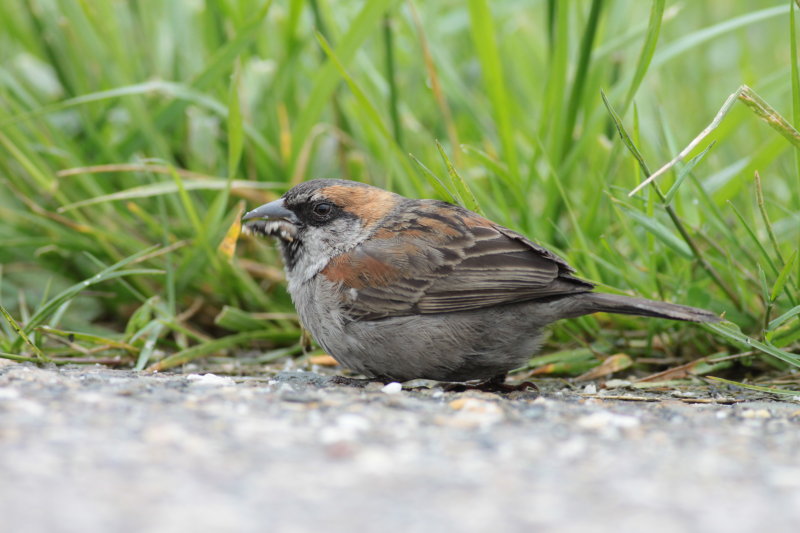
(318, 245)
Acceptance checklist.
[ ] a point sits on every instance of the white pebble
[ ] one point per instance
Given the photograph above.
(209, 380)
(286, 388)
(347, 427)
(603, 419)
(756, 413)
(7, 393)
(392, 388)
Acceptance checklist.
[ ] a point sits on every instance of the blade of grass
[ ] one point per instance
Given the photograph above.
(391, 78)
(88, 337)
(783, 277)
(753, 237)
(169, 260)
(731, 332)
(235, 128)
(646, 54)
(52, 305)
(200, 229)
(436, 183)
(661, 232)
(227, 247)
(759, 388)
(684, 172)
(757, 104)
(795, 74)
(626, 139)
(463, 192)
(111, 272)
(219, 63)
(324, 82)
(785, 317)
(785, 274)
(693, 40)
(216, 212)
(769, 115)
(235, 319)
(552, 125)
(20, 358)
(364, 102)
(172, 187)
(151, 333)
(726, 107)
(579, 83)
(340, 119)
(181, 93)
(217, 345)
(485, 42)
(436, 86)
(758, 245)
(39, 355)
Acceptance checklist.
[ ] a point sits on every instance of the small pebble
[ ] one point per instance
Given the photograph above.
(617, 383)
(209, 380)
(392, 388)
(756, 413)
(475, 413)
(603, 419)
(7, 393)
(286, 388)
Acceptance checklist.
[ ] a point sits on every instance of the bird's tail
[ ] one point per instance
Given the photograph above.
(594, 302)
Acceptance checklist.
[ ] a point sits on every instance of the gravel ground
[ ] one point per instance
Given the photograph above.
(95, 449)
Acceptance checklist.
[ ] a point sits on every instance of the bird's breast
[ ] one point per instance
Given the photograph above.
(319, 306)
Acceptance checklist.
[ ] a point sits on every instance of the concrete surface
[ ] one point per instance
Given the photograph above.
(101, 450)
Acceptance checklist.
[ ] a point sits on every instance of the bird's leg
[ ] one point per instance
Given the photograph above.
(493, 384)
(498, 383)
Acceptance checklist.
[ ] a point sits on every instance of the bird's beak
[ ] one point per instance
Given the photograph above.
(272, 211)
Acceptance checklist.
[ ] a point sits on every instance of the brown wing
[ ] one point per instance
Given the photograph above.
(466, 262)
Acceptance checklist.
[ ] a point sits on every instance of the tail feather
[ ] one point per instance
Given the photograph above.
(594, 302)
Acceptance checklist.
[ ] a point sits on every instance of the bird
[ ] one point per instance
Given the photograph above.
(397, 289)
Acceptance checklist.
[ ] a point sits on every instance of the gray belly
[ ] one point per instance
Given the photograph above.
(445, 347)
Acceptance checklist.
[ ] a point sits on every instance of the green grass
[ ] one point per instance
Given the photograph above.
(133, 134)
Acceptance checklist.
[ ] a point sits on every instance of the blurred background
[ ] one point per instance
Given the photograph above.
(133, 134)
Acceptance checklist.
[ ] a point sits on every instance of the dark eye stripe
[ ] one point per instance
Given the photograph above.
(320, 212)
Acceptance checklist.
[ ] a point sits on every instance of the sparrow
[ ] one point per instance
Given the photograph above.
(397, 289)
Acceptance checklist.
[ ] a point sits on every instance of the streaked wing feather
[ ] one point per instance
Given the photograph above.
(443, 272)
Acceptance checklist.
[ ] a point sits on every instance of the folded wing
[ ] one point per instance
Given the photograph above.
(447, 260)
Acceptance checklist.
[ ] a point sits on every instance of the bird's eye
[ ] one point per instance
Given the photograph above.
(322, 209)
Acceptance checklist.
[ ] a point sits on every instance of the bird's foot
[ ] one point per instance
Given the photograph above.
(496, 384)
